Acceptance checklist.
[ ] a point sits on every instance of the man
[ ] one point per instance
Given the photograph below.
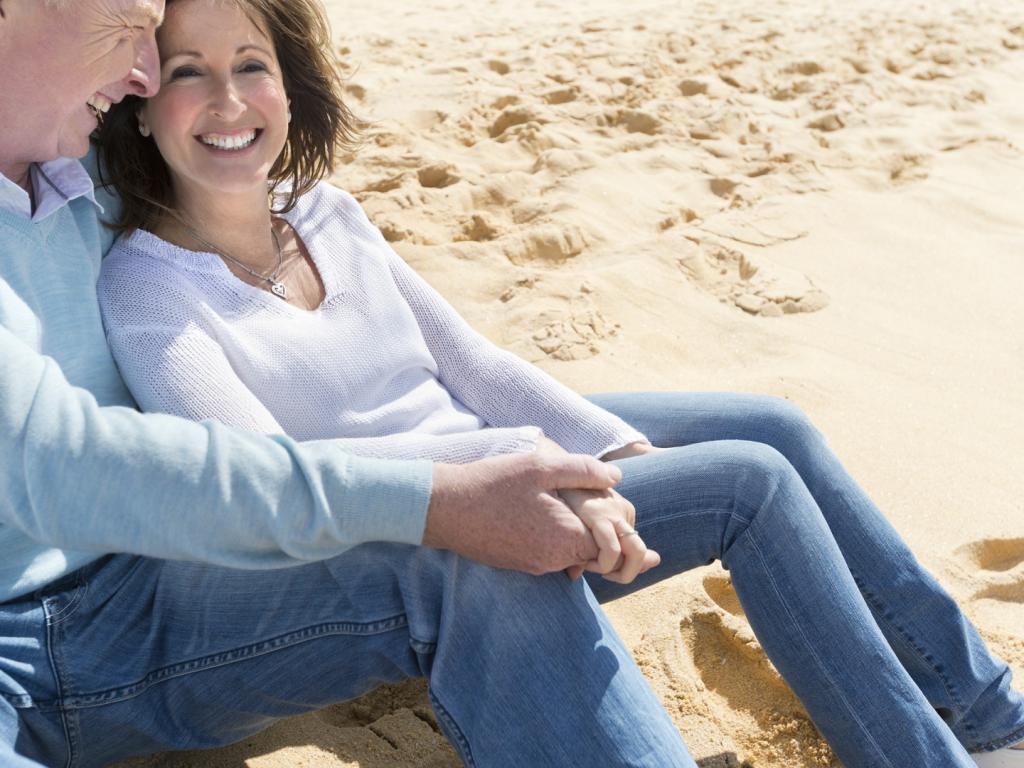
(241, 594)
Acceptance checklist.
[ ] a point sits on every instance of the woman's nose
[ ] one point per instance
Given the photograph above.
(226, 103)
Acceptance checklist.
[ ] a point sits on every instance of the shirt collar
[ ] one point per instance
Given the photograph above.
(55, 183)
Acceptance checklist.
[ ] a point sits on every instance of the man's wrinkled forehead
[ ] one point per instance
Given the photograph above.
(149, 11)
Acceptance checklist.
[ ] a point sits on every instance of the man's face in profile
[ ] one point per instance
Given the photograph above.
(69, 62)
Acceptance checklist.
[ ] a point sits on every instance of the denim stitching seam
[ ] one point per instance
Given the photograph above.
(814, 655)
(922, 655)
(54, 632)
(225, 658)
(1014, 738)
(73, 603)
(455, 733)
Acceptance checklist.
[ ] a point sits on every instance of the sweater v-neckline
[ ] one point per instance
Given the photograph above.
(214, 263)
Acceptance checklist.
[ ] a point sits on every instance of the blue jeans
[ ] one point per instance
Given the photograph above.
(134, 655)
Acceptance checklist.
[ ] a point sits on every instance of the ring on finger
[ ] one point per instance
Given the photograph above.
(628, 533)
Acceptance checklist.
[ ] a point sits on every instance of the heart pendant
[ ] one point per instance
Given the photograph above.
(279, 289)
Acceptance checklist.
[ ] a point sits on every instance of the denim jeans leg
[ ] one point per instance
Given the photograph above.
(157, 656)
(938, 645)
(29, 738)
(743, 503)
(32, 731)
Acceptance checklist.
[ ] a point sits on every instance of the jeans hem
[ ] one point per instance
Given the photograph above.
(1014, 738)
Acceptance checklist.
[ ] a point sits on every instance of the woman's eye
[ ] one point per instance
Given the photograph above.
(253, 66)
(184, 72)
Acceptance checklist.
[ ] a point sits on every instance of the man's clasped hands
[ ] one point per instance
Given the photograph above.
(559, 511)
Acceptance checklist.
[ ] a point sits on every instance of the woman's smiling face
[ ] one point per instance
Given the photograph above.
(220, 119)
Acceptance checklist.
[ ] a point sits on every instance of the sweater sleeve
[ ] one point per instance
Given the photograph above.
(82, 477)
(187, 373)
(500, 387)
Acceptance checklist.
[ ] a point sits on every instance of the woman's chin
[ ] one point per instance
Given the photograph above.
(235, 185)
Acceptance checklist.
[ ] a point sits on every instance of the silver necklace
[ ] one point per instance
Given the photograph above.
(277, 288)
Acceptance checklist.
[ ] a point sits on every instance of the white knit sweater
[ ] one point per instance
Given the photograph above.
(385, 366)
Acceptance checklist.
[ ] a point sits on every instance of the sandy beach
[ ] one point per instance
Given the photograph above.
(817, 200)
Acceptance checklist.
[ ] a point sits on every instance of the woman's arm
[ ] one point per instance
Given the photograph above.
(500, 387)
(187, 373)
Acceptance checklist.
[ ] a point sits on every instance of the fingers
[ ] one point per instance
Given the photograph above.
(609, 548)
(636, 558)
(633, 551)
(578, 471)
(627, 509)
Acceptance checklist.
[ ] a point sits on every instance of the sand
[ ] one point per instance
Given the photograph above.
(819, 200)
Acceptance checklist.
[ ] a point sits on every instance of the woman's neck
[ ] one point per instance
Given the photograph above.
(237, 224)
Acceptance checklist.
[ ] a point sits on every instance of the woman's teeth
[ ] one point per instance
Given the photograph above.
(99, 103)
(238, 141)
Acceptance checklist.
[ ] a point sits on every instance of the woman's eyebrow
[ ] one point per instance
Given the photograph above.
(192, 54)
(198, 55)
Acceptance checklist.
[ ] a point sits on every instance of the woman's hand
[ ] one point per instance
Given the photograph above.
(622, 554)
(628, 451)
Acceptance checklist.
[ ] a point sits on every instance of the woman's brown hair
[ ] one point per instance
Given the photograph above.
(321, 128)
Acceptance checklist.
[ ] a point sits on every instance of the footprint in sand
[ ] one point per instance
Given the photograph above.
(496, 65)
(635, 121)
(478, 228)
(438, 175)
(562, 95)
(905, 168)
(999, 565)
(511, 117)
(756, 288)
(732, 664)
(991, 575)
(552, 243)
(719, 589)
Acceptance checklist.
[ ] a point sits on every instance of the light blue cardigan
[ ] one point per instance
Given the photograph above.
(84, 474)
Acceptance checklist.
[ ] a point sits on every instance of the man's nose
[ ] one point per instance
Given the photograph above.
(144, 79)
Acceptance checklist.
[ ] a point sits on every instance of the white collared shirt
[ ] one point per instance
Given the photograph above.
(55, 183)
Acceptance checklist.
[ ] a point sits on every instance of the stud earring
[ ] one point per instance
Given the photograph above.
(144, 130)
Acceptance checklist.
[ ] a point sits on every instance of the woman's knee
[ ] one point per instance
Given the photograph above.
(759, 470)
(766, 487)
(785, 425)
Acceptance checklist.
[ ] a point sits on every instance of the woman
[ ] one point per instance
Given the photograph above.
(289, 313)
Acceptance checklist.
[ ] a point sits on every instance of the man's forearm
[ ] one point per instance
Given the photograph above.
(78, 476)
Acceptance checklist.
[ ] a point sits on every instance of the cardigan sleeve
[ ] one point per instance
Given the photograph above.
(82, 477)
